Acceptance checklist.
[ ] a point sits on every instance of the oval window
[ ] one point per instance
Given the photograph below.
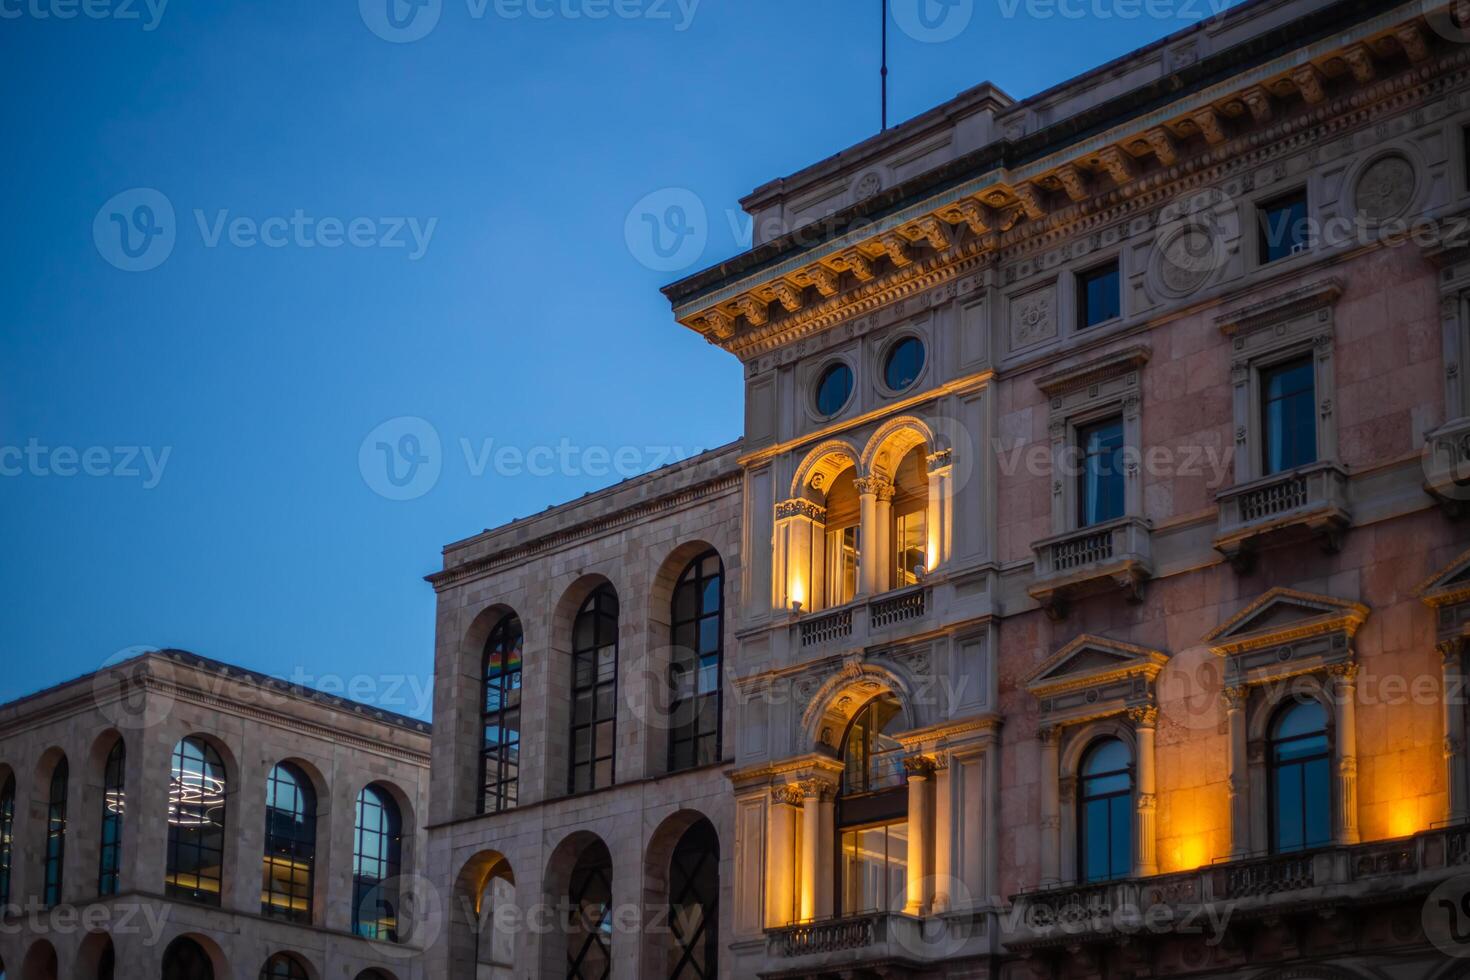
(833, 389)
(905, 361)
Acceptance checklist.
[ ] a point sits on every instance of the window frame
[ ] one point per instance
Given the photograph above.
(699, 584)
(276, 844)
(1261, 209)
(592, 606)
(208, 756)
(1085, 277)
(510, 637)
(389, 856)
(53, 855)
(7, 836)
(1080, 430)
(1328, 755)
(114, 788)
(1265, 373)
(1130, 814)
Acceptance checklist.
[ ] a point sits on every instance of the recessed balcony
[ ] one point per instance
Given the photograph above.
(852, 625)
(1303, 503)
(1116, 555)
(1447, 466)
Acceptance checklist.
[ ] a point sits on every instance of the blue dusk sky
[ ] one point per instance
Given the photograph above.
(253, 252)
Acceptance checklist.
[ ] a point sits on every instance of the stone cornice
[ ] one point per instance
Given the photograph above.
(601, 525)
(802, 766)
(1098, 369)
(1002, 189)
(1307, 298)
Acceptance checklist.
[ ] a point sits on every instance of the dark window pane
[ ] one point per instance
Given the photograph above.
(1283, 226)
(1100, 488)
(1289, 415)
(905, 361)
(1099, 296)
(833, 389)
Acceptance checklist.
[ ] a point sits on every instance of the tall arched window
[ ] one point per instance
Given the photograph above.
(376, 862)
(1105, 812)
(594, 691)
(196, 823)
(114, 803)
(7, 839)
(186, 960)
(500, 757)
(872, 811)
(698, 616)
(1301, 778)
(694, 906)
(55, 856)
(290, 844)
(842, 543)
(589, 941)
(910, 509)
(283, 966)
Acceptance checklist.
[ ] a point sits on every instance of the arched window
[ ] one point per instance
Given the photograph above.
(7, 840)
(589, 941)
(376, 862)
(283, 966)
(186, 960)
(698, 616)
(196, 823)
(694, 906)
(843, 542)
(910, 510)
(1105, 812)
(114, 803)
(872, 811)
(55, 857)
(495, 936)
(594, 691)
(500, 758)
(1301, 778)
(290, 844)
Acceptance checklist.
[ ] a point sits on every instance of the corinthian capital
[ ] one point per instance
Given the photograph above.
(1145, 717)
(875, 485)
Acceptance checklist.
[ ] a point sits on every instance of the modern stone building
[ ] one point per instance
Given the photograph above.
(171, 816)
(1086, 597)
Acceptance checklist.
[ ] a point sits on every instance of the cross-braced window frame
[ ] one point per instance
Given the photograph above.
(694, 883)
(500, 753)
(594, 728)
(590, 895)
(696, 667)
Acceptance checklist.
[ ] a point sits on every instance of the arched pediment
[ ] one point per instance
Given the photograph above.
(822, 465)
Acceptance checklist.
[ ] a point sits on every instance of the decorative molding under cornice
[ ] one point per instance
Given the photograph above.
(1099, 369)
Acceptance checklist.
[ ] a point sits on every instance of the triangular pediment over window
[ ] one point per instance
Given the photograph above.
(1092, 660)
(1284, 616)
(1449, 586)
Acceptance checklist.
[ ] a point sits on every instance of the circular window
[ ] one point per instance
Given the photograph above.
(905, 361)
(833, 389)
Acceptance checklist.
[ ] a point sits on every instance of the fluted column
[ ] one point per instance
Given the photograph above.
(1452, 667)
(1145, 852)
(920, 770)
(1051, 813)
(1345, 698)
(813, 888)
(939, 520)
(1239, 782)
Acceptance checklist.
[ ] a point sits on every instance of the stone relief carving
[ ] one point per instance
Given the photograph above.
(1187, 257)
(1033, 317)
(1385, 188)
(866, 186)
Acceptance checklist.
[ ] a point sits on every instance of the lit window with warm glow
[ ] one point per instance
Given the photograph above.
(290, 845)
(872, 811)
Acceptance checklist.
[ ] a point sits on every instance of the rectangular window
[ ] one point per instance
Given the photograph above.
(1100, 495)
(1289, 415)
(910, 544)
(843, 549)
(1099, 296)
(1283, 226)
(874, 868)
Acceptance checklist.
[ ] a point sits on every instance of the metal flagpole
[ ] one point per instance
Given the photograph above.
(885, 64)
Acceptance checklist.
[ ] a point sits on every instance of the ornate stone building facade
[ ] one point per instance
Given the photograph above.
(1086, 595)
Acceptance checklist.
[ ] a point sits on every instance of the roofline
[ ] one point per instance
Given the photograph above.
(1005, 153)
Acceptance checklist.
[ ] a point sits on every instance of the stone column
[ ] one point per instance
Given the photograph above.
(939, 520)
(1145, 851)
(811, 849)
(920, 770)
(1452, 666)
(867, 489)
(1234, 700)
(1345, 696)
(944, 829)
(781, 879)
(1051, 813)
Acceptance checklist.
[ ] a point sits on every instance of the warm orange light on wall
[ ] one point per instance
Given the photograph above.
(797, 592)
(1193, 853)
(1404, 819)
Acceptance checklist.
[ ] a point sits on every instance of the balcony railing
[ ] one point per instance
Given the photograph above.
(1310, 500)
(851, 625)
(1114, 555)
(1266, 877)
(826, 936)
(1447, 466)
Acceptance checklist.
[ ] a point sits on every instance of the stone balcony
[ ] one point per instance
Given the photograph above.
(1447, 466)
(1113, 555)
(874, 943)
(1307, 502)
(1267, 889)
(857, 623)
